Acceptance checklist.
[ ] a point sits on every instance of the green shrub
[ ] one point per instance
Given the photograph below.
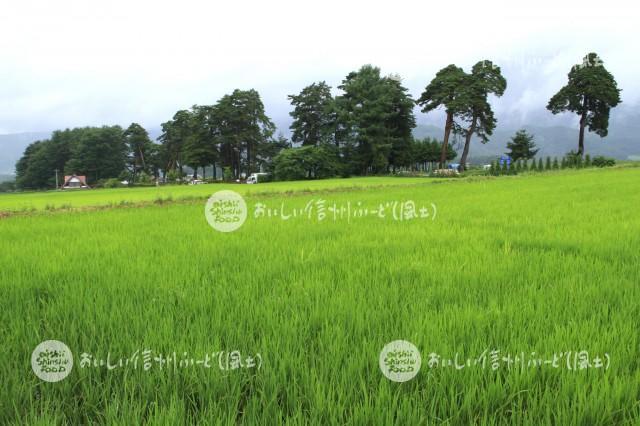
(174, 176)
(111, 183)
(601, 161)
(227, 174)
(307, 162)
(573, 159)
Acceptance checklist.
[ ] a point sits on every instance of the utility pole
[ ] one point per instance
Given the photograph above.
(56, 178)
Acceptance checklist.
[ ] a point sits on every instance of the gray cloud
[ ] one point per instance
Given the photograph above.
(73, 63)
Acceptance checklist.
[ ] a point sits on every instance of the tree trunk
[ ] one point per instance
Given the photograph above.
(467, 143)
(445, 142)
(583, 120)
(248, 158)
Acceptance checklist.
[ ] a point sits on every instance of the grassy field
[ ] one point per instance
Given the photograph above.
(17, 202)
(544, 263)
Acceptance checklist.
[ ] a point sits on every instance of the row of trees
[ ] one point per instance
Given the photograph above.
(571, 160)
(370, 123)
(320, 161)
(366, 129)
(98, 153)
(235, 134)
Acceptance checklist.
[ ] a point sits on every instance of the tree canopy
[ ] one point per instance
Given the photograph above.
(447, 89)
(375, 115)
(591, 92)
(521, 146)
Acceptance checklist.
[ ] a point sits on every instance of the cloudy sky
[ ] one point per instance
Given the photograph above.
(70, 63)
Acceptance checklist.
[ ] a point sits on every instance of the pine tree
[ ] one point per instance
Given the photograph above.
(521, 146)
(591, 92)
(533, 165)
(547, 165)
(540, 165)
(555, 163)
(313, 115)
(447, 89)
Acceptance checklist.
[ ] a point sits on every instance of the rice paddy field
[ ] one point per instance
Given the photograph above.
(540, 269)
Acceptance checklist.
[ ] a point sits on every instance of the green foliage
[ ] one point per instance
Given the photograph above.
(98, 153)
(139, 149)
(485, 79)
(521, 146)
(307, 162)
(8, 186)
(227, 174)
(235, 132)
(375, 120)
(547, 165)
(498, 169)
(174, 176)
(587, 160)
(555, 163)
(591, 92)
(426, 152)
(572, 159)
(109, 183)
(200, 150)
(447, 89)
(601, 161)
(314, 115)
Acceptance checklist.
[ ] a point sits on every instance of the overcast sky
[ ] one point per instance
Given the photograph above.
(71, 63)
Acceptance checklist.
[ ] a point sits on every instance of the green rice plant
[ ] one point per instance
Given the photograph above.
(541, 263)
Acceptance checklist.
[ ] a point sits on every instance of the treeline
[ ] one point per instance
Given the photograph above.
(98, 153)
(366, 129)
(571, 161)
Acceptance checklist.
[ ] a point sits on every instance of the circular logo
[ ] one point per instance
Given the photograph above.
(400, 361)
(225, 211)
(52, 361)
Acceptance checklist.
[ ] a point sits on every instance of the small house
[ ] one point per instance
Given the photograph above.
(75, 182)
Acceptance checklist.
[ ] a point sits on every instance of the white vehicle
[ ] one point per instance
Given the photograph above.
(256, 177)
